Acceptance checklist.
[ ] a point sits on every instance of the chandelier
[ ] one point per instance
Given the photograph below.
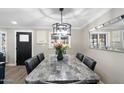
(61, 28)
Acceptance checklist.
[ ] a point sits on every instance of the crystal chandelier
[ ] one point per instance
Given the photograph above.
(61, 28)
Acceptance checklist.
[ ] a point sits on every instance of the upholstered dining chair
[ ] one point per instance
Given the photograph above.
(91, 63)
(31, 63)
(2, 68)
(80, 56)
(40, 57)
(2, 72)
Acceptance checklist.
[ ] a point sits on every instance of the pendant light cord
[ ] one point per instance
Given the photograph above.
(61, 17)
(61, 9)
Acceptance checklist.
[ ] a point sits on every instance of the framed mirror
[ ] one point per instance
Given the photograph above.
(108, 36)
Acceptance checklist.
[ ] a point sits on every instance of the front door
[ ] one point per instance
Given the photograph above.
(23, 47)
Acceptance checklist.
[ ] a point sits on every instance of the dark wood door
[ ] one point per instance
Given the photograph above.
(23, 46)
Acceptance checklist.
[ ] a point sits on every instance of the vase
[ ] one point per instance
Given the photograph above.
(59, 55)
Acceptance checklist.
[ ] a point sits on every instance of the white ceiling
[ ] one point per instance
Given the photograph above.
(45, 17)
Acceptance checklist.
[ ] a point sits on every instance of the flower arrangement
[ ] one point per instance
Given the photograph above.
(60, 47)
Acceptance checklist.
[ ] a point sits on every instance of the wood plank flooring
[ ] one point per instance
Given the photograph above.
(15, 74)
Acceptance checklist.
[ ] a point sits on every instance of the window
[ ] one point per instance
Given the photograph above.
(24, 38)
(3, 42)
(99, 39)
(66, 39)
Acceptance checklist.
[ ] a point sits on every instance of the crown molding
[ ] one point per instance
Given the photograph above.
(30, 28)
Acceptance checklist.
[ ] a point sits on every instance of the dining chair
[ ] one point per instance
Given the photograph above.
(31, 63)
(40, 57)
(80, 56)
(2, 57)
(2, 67)
(2, 72)
(91, 63)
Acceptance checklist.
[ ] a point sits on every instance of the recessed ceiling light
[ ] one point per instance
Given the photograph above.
(14, 22)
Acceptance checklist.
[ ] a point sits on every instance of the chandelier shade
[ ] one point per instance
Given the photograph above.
(61, 28)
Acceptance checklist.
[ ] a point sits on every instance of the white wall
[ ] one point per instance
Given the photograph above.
(37, 48)
(110, 65)
(75, 44)
(10, 47)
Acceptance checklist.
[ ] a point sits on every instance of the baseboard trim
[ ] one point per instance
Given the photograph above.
(10, 64)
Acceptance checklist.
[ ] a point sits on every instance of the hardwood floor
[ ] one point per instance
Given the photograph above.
(15, 74)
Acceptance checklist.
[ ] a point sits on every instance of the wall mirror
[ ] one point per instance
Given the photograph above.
(108, 36)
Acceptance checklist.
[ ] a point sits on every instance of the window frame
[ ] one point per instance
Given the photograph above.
(50, 39)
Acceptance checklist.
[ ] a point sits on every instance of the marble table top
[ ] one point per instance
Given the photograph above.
(69, 69)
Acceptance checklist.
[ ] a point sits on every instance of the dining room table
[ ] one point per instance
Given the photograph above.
(67, 71)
